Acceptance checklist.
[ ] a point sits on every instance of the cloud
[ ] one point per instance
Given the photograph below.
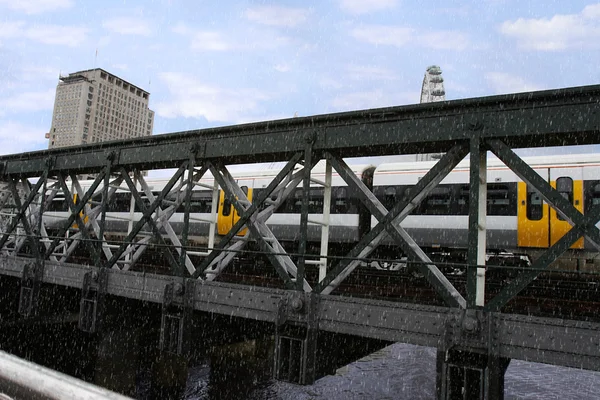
(210, 41)
(251, 39)
(283, 67)
(191, 98)
(36, 73)
(372, 99)
(366, 6)
(127, 26)
(36, 6)
(278, 16)
(402, 36)
(48, 34)
(561, 32)
(502, 82)
(367, 72)
(16, 137)
(27, 102)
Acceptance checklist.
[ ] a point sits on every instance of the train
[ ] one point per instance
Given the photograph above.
(520, 225)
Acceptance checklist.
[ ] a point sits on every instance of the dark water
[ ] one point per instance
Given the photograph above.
(404, 371)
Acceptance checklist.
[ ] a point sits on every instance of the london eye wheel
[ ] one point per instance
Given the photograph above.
(433, 85)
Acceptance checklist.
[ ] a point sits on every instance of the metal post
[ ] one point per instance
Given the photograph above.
(326, 220)
(301, 264)
(103, 208)
(186, 214)
(477, 225)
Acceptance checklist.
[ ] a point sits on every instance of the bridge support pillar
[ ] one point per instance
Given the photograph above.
(463, 375)
(296, 339)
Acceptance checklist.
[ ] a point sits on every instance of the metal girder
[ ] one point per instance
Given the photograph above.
(389, 223)
(535, 339)
(244, 214)
(22, 208)
(92, 213)
(82, 226)
(281, 192)
(308, 156)
(74, 212)
(582, 224)
(146, 214)
(537, 119)
(562, 206)
(477, 224)
(163, 216)
(268, 243)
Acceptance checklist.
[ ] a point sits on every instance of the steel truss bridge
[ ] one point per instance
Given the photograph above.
(474, 338)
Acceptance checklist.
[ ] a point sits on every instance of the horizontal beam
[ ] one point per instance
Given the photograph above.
(536, 119)
(546, 340)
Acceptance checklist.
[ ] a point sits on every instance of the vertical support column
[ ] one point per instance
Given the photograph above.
(477, 225)
(309, 139)
(296, 339)
(186, 212)
(128, 257)
(100, 237)
(464, 375)
(177, 310)
(326, 220)
(91, 306)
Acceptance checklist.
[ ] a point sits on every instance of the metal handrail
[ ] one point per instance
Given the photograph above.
(21, 379)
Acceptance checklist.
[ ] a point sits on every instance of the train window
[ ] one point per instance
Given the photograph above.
(437, 202)
(591, 194)
(58, 204)
(535, 209)
(340, 203)
(389, 197)
(499, 200)
(596, 194)
(227, 206)
(564, 186)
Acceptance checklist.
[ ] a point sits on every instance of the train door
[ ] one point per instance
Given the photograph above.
(533, 216)
(228, 215)
(569, 183)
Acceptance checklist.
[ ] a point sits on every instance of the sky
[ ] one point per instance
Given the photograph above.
(209, 63)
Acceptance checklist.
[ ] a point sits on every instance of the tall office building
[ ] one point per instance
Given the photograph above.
(95, 106)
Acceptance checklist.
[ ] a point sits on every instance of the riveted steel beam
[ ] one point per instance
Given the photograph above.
(562, 206)
(389, 223)
(537, 119)
(146, 213)
(247, 213)
(268, 243)
(477, 224)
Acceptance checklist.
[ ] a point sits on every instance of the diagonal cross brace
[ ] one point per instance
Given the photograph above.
(23, 216)
(543, 262)
(389, 222)
(283, 190)
(147, 218)
(274, 251)
(551, 195)
(82, 226)
(74, 214)
(245, 215)
(146, 213)
(92, 213)
(163, 219)
(22, 209)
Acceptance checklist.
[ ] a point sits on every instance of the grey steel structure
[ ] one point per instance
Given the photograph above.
(475, 340)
